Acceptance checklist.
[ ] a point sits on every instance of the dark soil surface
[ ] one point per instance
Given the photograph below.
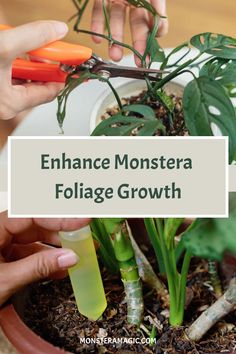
(52, 314)
(173, 122)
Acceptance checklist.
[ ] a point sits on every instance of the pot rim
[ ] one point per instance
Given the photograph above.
(22, 337)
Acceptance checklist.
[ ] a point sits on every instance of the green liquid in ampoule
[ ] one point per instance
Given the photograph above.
(85, 275)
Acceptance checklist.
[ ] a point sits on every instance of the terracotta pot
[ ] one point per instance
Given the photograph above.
(21, 336)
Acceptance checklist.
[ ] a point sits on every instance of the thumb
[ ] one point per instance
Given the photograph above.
(38, 266)
(34, 35)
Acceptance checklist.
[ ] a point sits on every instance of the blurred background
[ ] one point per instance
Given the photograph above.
(186, 18)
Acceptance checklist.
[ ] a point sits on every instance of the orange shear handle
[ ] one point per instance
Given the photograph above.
(59, 51)
(36, 71)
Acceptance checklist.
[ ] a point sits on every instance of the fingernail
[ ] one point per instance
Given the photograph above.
(116, 53)
(162, 7)
(61, 27)
(67, 259)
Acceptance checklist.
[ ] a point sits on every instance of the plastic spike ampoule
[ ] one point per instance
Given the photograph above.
(85, 276)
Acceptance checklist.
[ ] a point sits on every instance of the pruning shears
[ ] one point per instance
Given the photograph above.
(56, 60)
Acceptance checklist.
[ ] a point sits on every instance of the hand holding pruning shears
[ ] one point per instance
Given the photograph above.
(48, 79)
(13, 43)
(23, 256)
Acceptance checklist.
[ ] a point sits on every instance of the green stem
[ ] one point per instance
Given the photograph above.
(153, 335)
(200, 62)
(105, 250)
(179, 315)
(107, 22)
(171, 279)
(174, 73)
(151, 39)
(179, 249)
(114, 41)
(214, 277)
(76, 4)
(80, 12)
(153, 235)
(179, 60)
(129, 274)
(115, 94)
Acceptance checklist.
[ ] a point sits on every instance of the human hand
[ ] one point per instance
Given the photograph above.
(24, 259)
(140, 24)
(13, 43)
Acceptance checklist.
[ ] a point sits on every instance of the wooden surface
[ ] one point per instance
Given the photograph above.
(186, 19)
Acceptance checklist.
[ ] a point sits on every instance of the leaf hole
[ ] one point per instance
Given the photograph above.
(202, 39)
(215, 111)
(215, 129)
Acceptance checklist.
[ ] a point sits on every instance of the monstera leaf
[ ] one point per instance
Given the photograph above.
(154, 50)
(210, 238)
(223, 71)
(215, 44)
(205, 102)
(123, 125)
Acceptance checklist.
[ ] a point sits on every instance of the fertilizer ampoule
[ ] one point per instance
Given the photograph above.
(85, 275)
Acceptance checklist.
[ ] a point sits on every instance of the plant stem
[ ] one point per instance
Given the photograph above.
(105, 250)
(80, 11)
(179, 60)
(174, 73)
(153, 335)
(107, 23)
(153, 235)
(200, 62)
(224, 305)
(114, 41)
(125, 256)
(214, 277)
(152, 38)
(182, 290)
(115, 94)
(145, 269)
(130, 277)
(171, 278)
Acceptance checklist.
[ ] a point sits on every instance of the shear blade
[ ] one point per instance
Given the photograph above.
(127, 71)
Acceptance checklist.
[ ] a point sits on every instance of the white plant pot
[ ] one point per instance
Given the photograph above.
(130, 88)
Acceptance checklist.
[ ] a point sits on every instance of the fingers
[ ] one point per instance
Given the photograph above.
(13, 43)
(160, 6)
(35, 234)
(18, 98)
(22, 39)
(97, 23)
(38, 266)
(14, 227)
(18, 251)
(30, 95)
(117, 23)
(139, 25)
